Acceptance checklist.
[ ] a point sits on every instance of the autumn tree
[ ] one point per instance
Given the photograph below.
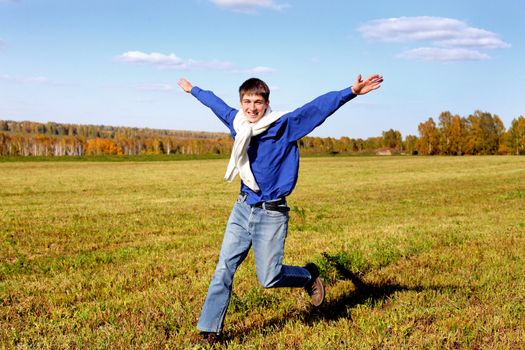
(516, 136)
(101, 146)
(451, 134)
(484, 133)
(410, 144)
(4, 142)
(428, 143)
(392, 139)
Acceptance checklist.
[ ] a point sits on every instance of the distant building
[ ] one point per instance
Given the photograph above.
(385, 151)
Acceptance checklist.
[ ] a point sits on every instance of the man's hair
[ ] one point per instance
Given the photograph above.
(254, 86)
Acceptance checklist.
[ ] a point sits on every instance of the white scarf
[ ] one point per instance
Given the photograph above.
(239, 162)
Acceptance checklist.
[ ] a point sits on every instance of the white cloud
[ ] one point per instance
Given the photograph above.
(262, 70)
(249, 5)
(37, 80)
(456, 38)
(2, 44)
(473, 37)
(441, 54)
(443, 31)
(25, 80)
(154, 58)
(172, 61)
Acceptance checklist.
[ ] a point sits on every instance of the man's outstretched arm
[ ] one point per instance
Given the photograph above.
(306, 118)
(362, 87)
(185, 85)
(208, 98)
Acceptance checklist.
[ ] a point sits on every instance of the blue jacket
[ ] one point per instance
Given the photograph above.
(274, 156)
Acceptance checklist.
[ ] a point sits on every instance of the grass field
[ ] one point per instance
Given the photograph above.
(416, 252)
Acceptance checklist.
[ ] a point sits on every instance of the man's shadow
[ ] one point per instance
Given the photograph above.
(363, 293)
(340, 307)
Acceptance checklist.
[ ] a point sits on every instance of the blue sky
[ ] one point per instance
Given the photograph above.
(117, 62)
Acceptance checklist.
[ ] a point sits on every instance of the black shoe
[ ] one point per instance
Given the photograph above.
(206, 339)
(314, 287)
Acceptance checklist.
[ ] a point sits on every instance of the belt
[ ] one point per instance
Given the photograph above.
(273, 205)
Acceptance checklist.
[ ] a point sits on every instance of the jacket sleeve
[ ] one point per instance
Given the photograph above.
(303, 120)
(224, 112)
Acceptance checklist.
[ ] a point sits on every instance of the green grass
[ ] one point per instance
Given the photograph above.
(112, 158)
(416, 252)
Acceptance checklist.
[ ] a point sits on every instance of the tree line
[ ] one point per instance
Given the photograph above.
(479, 133)
(53, 139)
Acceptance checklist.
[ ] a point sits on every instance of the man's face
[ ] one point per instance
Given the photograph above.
(254, 107)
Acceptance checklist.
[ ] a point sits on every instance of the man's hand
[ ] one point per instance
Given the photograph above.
(185, 85)
(362, 87)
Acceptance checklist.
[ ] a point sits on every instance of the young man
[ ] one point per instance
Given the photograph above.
(266, 157)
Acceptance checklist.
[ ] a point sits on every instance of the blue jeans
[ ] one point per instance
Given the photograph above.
(265, 231)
